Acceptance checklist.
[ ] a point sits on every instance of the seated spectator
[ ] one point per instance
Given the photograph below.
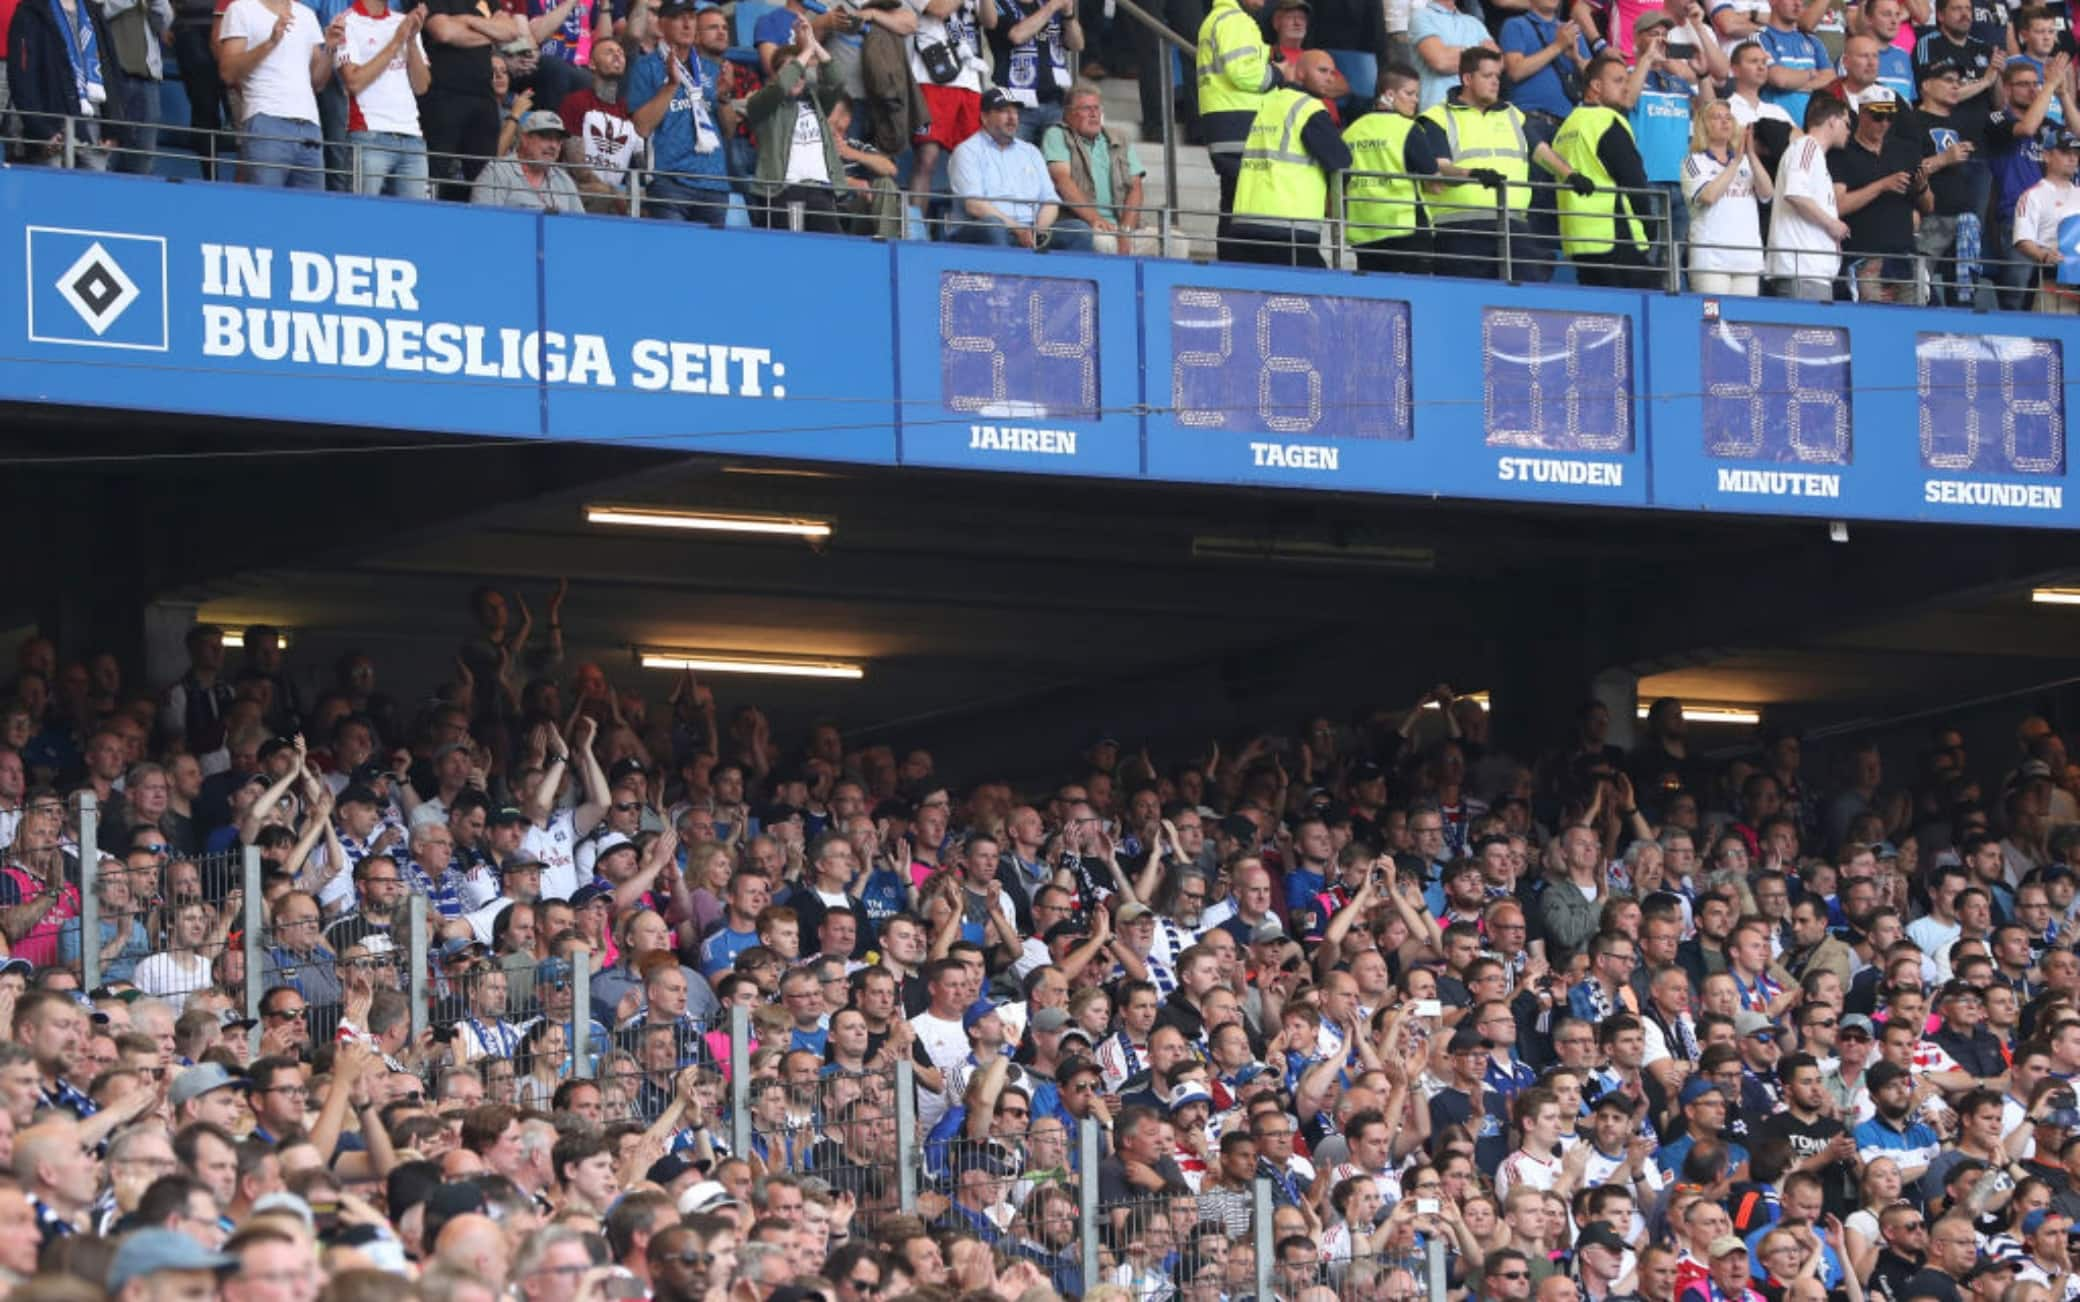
(278, 57)
(383, 66)
(599, 141)
(2039, 215)
(1002, 189)
(1098, 175)
(1805, 234)
(1030, 44)
(1723, 180)
(870, 176)
(1878, 189)
(672, 100)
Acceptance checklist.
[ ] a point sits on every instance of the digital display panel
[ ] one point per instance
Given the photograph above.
(1776, 393)
(1018, 346)
(1258, 363)
(1990, 404)
(1557, 381)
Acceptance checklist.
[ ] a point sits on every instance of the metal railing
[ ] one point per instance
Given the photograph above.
(1464, 237)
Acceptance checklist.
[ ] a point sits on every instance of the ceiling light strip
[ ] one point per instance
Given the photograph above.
(710, 662)
(707, 522)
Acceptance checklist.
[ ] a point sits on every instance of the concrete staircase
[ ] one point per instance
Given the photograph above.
(1198, 190)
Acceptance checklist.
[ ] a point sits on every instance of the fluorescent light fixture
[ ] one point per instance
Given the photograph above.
(650, 517)
(2055, 596)
(1304, 551)
(1478, 698)
(236, 638)
(1703, 713)
(725, 662)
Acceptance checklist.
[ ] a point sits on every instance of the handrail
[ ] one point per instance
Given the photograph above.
(1167, 91)
(1155, 24)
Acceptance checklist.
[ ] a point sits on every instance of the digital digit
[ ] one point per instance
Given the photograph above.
(1991, 404)
(1275, 363)
(1212, 305)
(1740, 438)
(1829, 443)
(1083, 304)
(1594, 371)
(951, 287)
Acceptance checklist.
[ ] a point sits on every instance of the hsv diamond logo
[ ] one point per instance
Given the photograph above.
(97, 289)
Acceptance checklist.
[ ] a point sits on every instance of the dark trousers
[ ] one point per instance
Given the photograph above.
(1271, 246)
(674, 200)
(1407, 256)
(1474, 249)
(819, 209)
(1624, 267)
(1535, 259)
(1150, 52)
(208, 109)
(458, 123)
(1218, 129)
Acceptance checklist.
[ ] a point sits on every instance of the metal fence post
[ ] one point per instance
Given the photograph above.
(1433, 1268)
(256, 957)
(416, 959)
(1336, 231)
(740, 1079)
(907, 1163)
(581, 1016)
(89, 899)
(70, 149)
(1168, 115)
(1668, 228)
(1502, 217)
(1087, 1200)
(1263, 1241)
(355, 155)
(635, 191)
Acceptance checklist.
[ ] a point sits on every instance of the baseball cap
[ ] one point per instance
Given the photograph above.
(1747, 1024)
(553, 972)
(1964, 989)
(2063, 140)
(1050, 1019)
(1285, 6)
(669, 1168)
(358, 793)
(1270, 929)
(587, 893)
(2034, 1221)
(707, 1196)
(1988, 1265)
(1612, 1101)
(1724, 1244)
(1598, 1234)
(1133, 913)
(456, 948)
(1063, 929)
(1189, 1095)
(1941, 67)
(975, 1013)
(626, 766)
(149, 1251)
(1651, 19)
(230, 1017)
(508, 815)
(523, 863)
(612, 841)
(1856, 1024)
(1881, 1074)
(367, 773)
(198, 1081)
(1696, 1088)
(671, 8)
(994, 98)
(1466, 1040)
(21, 965)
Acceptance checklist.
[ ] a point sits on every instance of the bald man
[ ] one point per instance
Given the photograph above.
(476, 1245)
(52, 1161)
(1280, 201)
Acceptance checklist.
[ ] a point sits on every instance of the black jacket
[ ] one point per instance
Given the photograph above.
(39, 74)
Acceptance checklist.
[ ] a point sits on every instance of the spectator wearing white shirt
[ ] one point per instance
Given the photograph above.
(278, 57)
(1723, 180)
(382, 64)
(1805, 232)
(2040, 212)
(1750, 74)
(1003, 188)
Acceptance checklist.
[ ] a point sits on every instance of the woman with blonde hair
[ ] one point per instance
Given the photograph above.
(1723, 182)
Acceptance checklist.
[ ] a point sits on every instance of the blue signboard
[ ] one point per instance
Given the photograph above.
(227, 300)
(724, 341)
(1774, 407)
(1011, 361)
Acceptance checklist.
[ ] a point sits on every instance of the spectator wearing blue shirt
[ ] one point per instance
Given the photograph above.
(2036, 41)
(1704, 1112)
(1672, 71)
(1310, 876)
(2015, 141)
(749, 893)
(1893, 1132)
(1799, 63)
(1803, 1202)
(1439, 32)
(1006, 194)
(672, 101)
(1542, 61)
(1881, 20)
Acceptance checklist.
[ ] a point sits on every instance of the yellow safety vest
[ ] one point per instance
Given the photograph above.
(1587, 221)
(1379, 207)
(1234, 63)
(1480, 138)
(1281, 185)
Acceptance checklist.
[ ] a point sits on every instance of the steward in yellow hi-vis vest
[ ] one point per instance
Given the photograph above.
(1481, 149)
(1386, 224)
(1601, 230)
(1282, 196)
(1236, 68)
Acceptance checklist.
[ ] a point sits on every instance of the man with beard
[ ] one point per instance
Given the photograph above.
(1893, 1132)
(1819, 1143)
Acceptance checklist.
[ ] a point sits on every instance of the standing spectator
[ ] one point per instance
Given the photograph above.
(2039, 214)
(1951, 43)
(946, 60)
(1748, 98)
(1677, 63)
(670, 99)
(1603, 231)
(1805, 233)
(2015, 140)
(1235, 68)
(1722, 181)
(59, 66)
(1481, 141)
(137, 31)
(1098, 175)
(599, 141)
(2036, 33)
(1542, 61)
(1002, 187)
(383, 63)
(797, 151)
(209, 110)
(1886, 22)
(1798, 61)
(1878, 187)
(530, 177)
(567, 32)
(278, 57)
(1187, 17)
(1030, 44)
(461, 113)
(1948, 237)
(1859, 83)
(1283, 193)
(735, 78)
(1441, 35)
(1387, 227)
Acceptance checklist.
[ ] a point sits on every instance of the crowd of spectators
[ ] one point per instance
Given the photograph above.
(1578, 1022)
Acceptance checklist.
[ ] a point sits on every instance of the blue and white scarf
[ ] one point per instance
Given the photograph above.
(83, 48)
